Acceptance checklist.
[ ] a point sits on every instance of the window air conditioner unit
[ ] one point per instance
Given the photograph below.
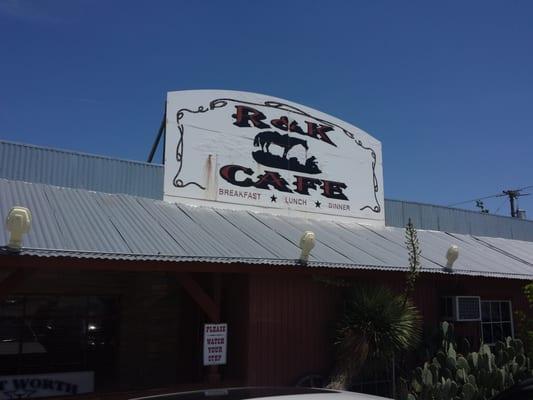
(461, 308)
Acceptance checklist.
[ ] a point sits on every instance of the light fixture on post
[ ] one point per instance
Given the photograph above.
(18, 223)
(307, 242)
(451, 255)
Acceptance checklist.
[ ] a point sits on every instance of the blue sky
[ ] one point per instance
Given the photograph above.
(447, 87)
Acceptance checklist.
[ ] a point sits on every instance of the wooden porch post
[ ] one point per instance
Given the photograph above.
(210, 306)
(214, 374)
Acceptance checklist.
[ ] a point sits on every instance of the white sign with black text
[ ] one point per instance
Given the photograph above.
(46, 385)
(249, 151)
(215, 344)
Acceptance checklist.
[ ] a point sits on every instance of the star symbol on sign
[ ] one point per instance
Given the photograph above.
(273, 198)
(317, 204)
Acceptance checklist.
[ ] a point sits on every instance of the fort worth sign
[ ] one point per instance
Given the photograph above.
(246, 150)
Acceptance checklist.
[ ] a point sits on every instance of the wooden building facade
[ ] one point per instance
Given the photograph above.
(113, 281)
(281, 320)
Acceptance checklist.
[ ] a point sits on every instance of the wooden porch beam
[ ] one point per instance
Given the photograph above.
(206, 303)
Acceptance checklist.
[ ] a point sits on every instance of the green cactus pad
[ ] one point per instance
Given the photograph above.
(462, 363)
(469, 391)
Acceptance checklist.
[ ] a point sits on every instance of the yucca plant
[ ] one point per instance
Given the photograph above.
(413, 250)
(377, 324)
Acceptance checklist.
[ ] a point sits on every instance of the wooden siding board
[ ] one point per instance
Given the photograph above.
(296, 317)
(294, 333)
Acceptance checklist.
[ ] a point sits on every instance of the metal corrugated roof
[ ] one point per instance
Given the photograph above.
(515, 248)
(79, 170)
(38, 164)
(446, 219)
(84, 224)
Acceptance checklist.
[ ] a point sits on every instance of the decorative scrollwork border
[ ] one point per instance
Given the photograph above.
(220, 103)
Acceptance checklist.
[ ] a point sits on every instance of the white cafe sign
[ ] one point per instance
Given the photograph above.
(244, 150)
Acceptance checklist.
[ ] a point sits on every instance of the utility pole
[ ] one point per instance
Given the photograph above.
(514, 195)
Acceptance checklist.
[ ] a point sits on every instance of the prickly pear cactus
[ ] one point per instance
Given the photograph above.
(472, 376)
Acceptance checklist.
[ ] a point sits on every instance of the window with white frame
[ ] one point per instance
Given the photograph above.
(496, 320)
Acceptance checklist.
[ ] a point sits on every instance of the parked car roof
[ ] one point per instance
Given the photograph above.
(287, 393)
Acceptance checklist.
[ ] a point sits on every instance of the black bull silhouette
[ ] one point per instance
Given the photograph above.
(266, 138)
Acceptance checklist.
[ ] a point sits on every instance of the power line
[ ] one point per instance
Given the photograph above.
(477, 198)
(488, 197)
(500, 206)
